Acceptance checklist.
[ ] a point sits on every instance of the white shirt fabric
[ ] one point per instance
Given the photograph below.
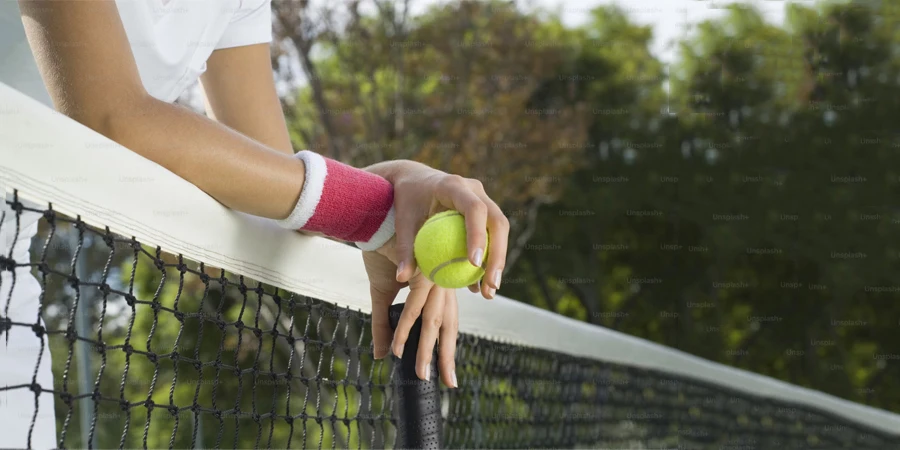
(171, 41)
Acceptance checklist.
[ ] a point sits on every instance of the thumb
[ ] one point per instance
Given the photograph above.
(406, 236)
(382, 334)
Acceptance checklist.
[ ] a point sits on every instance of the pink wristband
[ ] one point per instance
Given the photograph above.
(343, 202)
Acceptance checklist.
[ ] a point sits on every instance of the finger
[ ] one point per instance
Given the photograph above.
(405, 227)
(456, 192)
(415, 301)
(381, 325)
(447, 343)
(475, 287)
(498, 227)
(476, 232)
(432, 319)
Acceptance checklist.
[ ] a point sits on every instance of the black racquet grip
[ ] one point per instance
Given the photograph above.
(418, 402)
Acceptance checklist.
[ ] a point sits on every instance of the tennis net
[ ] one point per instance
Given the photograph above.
(145, 314)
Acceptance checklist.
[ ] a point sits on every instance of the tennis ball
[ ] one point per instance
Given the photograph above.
(442, 254)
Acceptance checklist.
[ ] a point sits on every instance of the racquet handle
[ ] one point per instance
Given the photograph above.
(418, 402)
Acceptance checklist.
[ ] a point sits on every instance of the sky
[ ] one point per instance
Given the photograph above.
(669, 18)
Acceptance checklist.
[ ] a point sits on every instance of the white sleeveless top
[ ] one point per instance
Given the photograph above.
(172, 39)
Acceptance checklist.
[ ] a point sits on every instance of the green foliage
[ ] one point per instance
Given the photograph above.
(753, 226)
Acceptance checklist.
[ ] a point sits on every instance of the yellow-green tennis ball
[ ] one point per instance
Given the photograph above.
(442, 253)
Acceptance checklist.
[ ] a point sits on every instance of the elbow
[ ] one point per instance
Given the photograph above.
(113, 119)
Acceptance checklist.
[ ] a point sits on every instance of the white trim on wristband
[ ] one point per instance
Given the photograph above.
(384, 233)
(313, 184)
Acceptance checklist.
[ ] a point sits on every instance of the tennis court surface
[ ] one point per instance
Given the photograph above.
(175, 322)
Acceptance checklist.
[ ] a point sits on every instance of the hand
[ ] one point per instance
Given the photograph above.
(437, 306)
(420, 192)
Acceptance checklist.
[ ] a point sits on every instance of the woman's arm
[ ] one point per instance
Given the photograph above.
(86, 62)
(240, 93)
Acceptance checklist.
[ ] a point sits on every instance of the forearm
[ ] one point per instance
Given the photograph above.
(237, 171)
(336, 200)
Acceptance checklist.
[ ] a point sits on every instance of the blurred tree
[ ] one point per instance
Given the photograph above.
(455, 89)
(748, 227)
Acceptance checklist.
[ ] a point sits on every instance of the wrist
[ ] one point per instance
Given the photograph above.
(343, 202)
(390, 170)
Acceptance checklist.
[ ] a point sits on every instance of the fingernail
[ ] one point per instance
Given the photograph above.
(400, 352)
(400, 268)
(427, 373)
(479, 254)
(492, 292)
(453, 379)
(497, 274)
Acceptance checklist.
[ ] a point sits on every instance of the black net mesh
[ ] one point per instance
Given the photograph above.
(518, 397)
(185, 355)
(152, 350)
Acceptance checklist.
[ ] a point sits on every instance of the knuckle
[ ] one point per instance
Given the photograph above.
(476, 184)
(436, 322)
(415, 310)
(500, 222)
(405, 246)
(453, 182)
